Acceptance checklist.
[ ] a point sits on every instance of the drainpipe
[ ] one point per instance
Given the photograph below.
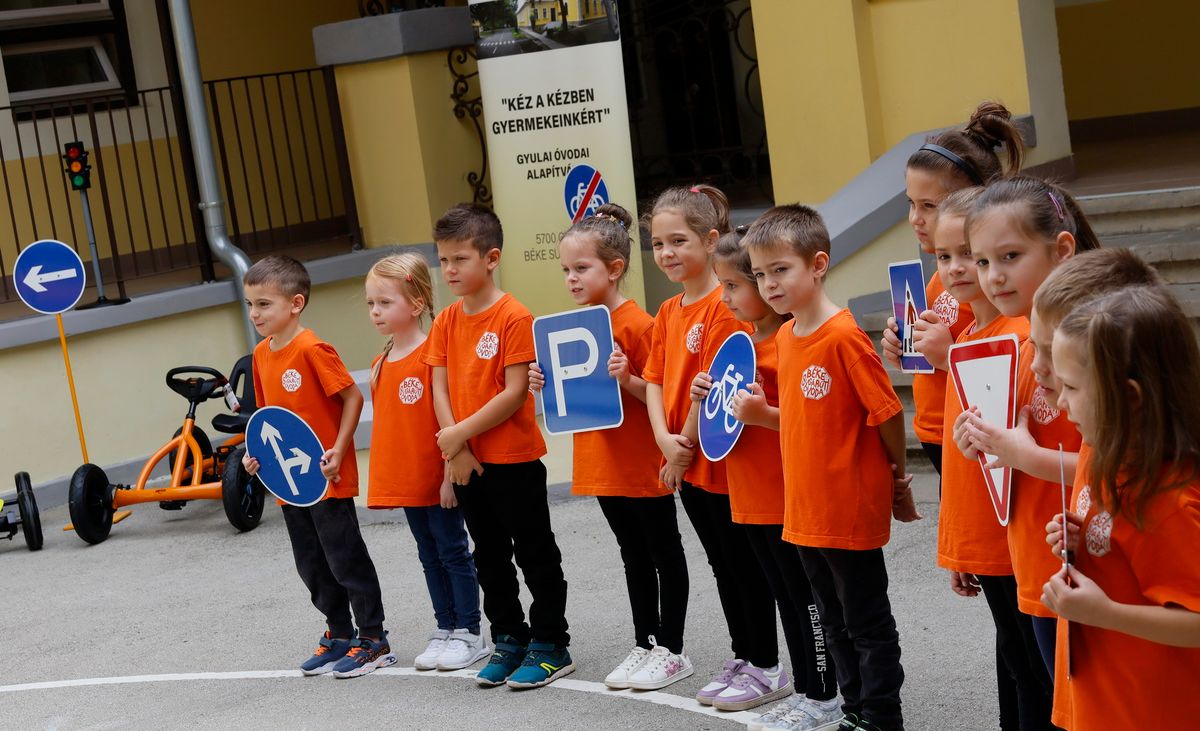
(211, 204)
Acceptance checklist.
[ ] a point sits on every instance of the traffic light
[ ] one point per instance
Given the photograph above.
(78, 171)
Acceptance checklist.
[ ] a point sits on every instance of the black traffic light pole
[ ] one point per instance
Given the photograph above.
(79, 173)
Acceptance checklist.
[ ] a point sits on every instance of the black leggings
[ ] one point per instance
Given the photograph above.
(656, 572)
(745, 595)
(812, 665)
(1025, 688)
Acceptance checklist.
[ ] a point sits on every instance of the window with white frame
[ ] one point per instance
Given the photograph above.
(71, 67)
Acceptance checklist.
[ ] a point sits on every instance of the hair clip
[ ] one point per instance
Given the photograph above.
(408, 278)
(741, 230)
(694, 189)
(610, 217)
(1057, 206)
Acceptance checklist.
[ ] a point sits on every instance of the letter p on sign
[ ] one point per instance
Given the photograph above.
(573, 349)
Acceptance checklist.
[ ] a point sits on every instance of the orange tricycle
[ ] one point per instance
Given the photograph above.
(197, 470)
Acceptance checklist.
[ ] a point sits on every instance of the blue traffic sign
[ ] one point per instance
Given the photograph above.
(584, 191)
(289, 455)
(732, 370)
(573, 349)
(49, 276)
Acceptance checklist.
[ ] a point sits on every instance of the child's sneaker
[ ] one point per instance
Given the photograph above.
(506, 657)
(816, 715)
(428, 659)
(619, 677)
(329, 651)
(752, 687)
(463, 649)
(365, 656)
(849, 722)
(776, 713)
(662, 668)
(720, 681)
(544, 663)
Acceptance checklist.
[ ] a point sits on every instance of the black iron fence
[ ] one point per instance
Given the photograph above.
(281, 155)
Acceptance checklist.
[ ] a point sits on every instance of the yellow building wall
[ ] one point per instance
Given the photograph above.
(127, 409)
(865, 271)
(1129, 56)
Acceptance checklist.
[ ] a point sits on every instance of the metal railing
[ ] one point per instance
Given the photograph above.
(281, 156)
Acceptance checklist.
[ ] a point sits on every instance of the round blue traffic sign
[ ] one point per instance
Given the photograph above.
(584, 192)
(49, 276)
(732, 370)
(289, 455)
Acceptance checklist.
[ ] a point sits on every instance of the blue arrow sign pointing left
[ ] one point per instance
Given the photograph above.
(49, 276)
(289, 455)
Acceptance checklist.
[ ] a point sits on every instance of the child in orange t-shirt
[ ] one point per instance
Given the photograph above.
(620, 465)
(842, 440)
(1129, 370)
(480, 348)
(296, 370)
(755, 471)
(406, 465)
(950, 161)
(685, 224)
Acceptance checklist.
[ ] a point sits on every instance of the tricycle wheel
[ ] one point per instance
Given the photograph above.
(91, 503)
(31, 520)
(206, 450)
(241, 494)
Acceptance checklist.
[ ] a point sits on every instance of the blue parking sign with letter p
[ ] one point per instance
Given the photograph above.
(572, 350)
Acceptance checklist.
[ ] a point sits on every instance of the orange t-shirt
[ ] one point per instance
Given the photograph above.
(686, 337)
(622, 461)
(1036, 501)
(833, 395)
(475, 350)
(406, 465)
(970, 538)
(305, 376)
(755, 466)
(1119, 681)
(929, 389)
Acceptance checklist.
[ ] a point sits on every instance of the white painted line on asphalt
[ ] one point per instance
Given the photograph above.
(582, 686)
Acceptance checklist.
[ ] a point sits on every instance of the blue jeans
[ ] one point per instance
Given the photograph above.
(449, 570)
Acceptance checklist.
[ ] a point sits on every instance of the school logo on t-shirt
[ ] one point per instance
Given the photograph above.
(695, 336)
(1041, 410)
(411, 390)
(1099, 534)
(488, 345)
(291, 380)
(946, 308)
(1083, 503)
(815, 383)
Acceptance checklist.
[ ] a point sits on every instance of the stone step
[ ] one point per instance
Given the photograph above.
(1142, 211)
(1175, 254)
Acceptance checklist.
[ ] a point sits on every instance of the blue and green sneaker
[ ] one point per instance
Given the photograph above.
(544, 663)
(506, 657)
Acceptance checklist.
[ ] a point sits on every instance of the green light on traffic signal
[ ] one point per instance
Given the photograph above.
(77, 181)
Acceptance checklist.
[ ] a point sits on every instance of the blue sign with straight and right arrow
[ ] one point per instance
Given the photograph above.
(49, 276)
(289, 455)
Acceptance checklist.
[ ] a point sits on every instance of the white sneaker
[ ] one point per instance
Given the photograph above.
(775, 713)
(661, 668)
(463, 649)
(428, 659)
(811, 716)
(619, 677)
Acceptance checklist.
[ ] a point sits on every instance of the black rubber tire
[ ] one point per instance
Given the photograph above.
(206, 450)
(31, 519)
(90, 501)
(242, 495)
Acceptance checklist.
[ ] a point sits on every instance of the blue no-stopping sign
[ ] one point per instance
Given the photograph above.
(289, 455)
(49, 276)
(573, 349)
(732, 370)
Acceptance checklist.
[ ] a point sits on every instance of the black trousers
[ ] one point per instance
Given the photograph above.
(812, 665)
(507, 517)
(656, 573)
(334, 564)
(933, 450)
(850, 588)
(1026, 690)
(745, 595)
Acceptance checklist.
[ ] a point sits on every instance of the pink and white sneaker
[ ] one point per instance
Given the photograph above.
(752, 687)
(660, 669)
(720, 681)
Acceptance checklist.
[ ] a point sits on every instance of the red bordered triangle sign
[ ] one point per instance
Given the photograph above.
(985, 376)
